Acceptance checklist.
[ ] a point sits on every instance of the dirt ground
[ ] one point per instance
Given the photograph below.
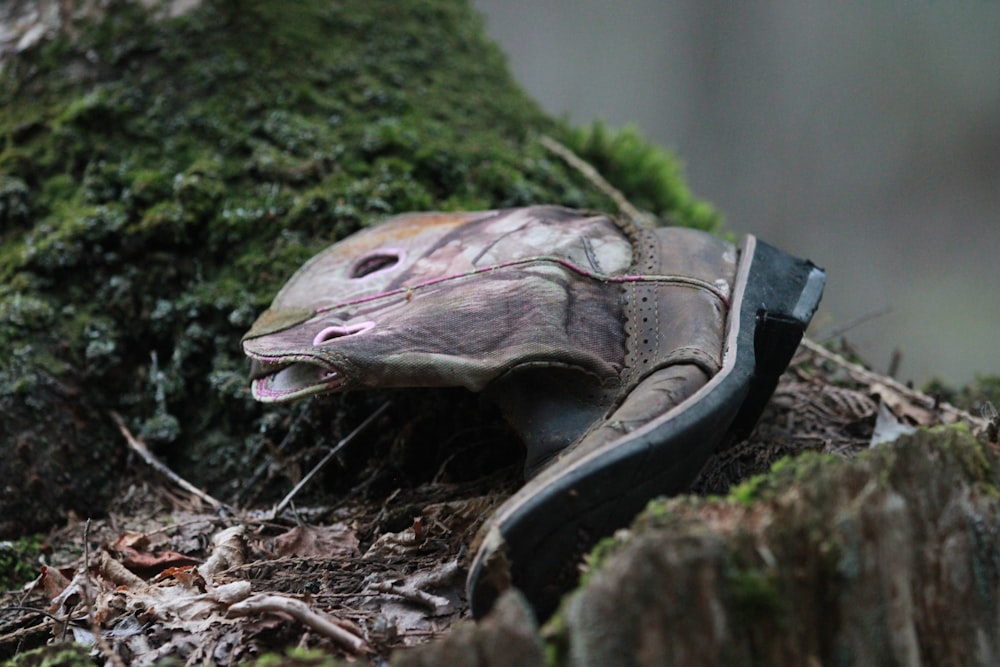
(171, 573)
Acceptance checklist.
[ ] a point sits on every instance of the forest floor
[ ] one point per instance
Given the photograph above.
(173, 573)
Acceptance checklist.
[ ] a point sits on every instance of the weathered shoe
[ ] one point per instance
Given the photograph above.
(623, 355)
(666, 421)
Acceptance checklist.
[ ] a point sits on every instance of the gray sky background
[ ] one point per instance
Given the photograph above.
(864, 135)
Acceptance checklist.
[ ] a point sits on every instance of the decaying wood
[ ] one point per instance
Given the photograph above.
(873, 561)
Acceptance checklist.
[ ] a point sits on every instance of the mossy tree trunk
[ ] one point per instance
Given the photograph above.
(163, 171)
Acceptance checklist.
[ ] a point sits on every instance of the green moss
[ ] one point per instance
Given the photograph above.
(754, 592)
(595, 559)
(14, 201)
(650, 176)
(746, 493)
(56, 655)
(979, 464)
(555, 637)
(18, 560)
(782, 474)
(297, 657)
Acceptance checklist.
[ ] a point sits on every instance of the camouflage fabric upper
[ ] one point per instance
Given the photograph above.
(547, 308)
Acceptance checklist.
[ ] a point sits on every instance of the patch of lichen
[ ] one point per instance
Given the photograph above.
(161, 178)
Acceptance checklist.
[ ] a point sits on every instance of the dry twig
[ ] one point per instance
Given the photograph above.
(863, 375)
(434, 603)
(411, 588)
(329, 455)
(140, 448)
(323, 623)
(587, 171)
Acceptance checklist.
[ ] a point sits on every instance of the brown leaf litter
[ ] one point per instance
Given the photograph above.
(179, 575)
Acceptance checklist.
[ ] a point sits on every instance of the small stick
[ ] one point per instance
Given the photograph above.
(329, 455)
(598, 181)
(412, 588)
(13, 640)
(856, 322)
(894, 363)
(31, 610)
(89, 598)
(140, 448)
(434, 603)
(322, 623)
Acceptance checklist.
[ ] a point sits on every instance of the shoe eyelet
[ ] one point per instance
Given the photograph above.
(374, 262)
(330, 334)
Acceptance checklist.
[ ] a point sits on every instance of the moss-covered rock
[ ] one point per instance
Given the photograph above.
(161, 176)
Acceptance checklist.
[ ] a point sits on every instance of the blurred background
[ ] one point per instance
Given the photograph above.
(863, 135)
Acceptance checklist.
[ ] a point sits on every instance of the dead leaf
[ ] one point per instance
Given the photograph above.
(394, 544)
(229, 550)
(332, 541)
(132, 550)
(53, 581)
(130, 540)
(904, 408)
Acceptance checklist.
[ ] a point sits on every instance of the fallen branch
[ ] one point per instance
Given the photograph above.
(28, 635)
(862, 374)
(323, 623)
(140, 448)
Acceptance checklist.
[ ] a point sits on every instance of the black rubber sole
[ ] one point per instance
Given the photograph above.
(536, 539)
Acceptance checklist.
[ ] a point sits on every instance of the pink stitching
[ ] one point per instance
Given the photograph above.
(679, 280)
